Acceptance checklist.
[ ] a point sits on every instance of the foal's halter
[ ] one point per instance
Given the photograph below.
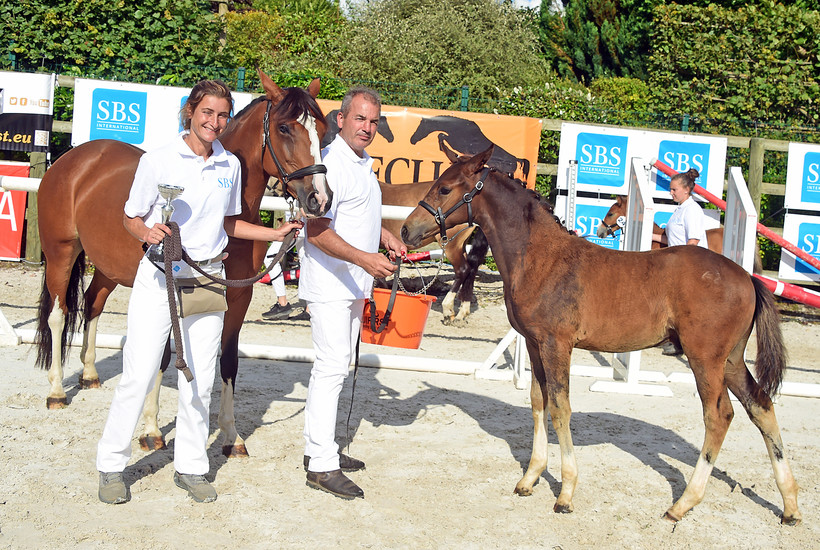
(619, 225)
(284, 176)
(441, 217)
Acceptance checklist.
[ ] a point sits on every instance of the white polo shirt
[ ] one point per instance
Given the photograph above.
(686, 222)
(355, 215)
(213, 190)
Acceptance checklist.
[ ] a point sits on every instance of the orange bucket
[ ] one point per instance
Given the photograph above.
(406, 325)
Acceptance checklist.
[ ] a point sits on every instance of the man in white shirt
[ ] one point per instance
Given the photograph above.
(341, 258)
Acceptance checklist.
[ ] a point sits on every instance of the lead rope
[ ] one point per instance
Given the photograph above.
(173, 252)
(172, 302)
(375, 329)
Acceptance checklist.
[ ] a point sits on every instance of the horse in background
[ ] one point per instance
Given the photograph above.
(714, 237)
(609, 226)
(81, 200)
(558, 298)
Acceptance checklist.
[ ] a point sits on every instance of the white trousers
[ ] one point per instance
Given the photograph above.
(277, 279)
(149, 324)
(335, 328)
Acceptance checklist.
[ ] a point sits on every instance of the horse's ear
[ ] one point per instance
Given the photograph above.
(272, 90)
(620, 199)
(478, 161)
(313, 87)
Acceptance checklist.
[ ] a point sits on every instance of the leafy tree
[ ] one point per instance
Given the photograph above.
(485, 44)
(294, 40)
(305, 7)
(291, 39)
(590, 39)
(758, 63)
(135, 37)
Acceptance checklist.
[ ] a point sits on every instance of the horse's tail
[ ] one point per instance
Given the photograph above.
(74, 305)
(771, 352)
(478, 251)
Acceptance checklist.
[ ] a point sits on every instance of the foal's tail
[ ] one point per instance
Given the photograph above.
(73, 305)
(771, 352)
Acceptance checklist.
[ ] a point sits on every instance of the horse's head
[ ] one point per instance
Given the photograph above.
(448, 202)
(293, 128)
(612, 220)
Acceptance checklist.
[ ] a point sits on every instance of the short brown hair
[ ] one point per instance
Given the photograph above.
(371, 95)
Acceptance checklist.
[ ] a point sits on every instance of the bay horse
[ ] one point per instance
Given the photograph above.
(465, 264)
(559, 298)
(609, 225)
(81, 199)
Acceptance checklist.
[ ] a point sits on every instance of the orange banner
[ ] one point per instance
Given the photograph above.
(407, 146)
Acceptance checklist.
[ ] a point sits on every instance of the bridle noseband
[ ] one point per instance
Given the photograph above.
(619, 225)
(284, 176)
(441, 217)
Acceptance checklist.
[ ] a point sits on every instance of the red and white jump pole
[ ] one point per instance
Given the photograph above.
(791, 292)
(778, 288)
(762, 229)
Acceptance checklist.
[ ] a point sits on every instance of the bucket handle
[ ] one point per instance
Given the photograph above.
(383, 325)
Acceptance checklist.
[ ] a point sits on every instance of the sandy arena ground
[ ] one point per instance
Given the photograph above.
(443, 453)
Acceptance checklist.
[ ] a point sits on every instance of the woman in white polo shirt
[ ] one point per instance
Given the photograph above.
(211, 179)
(686, 225)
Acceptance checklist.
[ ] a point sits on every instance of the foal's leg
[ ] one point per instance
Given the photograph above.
(151, 439)
(58, 278)
(459, 261)
(538, 398)
(56, 398)
(233, 445)
(550, 382)
(95, 297)
(759, 408)
(717, 416)
(456, 252)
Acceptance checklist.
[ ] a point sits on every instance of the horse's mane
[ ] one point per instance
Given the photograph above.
(248, 107)
(295, 102)
(536, 196)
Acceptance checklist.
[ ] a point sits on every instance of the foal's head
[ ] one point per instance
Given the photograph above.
(609, 225)
(449, 198)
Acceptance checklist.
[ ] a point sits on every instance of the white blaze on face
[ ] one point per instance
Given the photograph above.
(319, 181)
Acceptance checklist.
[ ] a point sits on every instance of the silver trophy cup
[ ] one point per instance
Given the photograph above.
(169, 193)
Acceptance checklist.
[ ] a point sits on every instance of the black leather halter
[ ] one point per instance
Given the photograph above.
(441, 217)
(613, 228)
(284, 177)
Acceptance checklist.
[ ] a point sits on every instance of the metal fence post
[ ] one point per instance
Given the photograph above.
(465, 95)
(684, 127)
(240, 79)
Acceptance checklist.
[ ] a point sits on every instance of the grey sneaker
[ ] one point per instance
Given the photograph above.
(197, 486)
(112, 488)
(277, 312)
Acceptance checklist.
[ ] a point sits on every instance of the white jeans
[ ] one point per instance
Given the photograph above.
(277, 278)
(149, 323)
(335, 329)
